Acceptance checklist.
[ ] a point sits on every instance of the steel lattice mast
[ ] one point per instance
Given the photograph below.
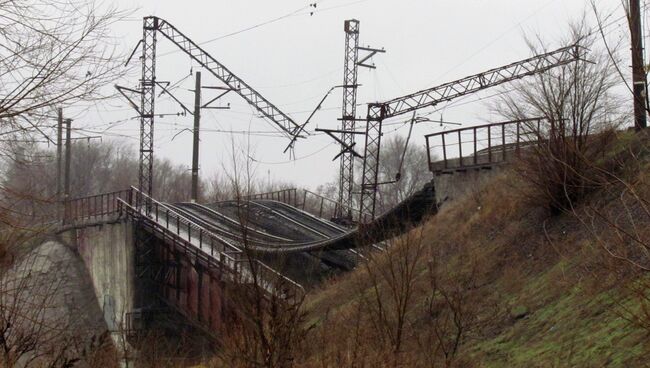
(350, 72)
(152, 25)
(147, 104)
(378, 112)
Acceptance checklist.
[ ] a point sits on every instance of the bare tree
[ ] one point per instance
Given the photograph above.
(407, 160)
(451, 313)
(579, 104)
(388, 287)
(53, 53)
(267, 326)
(617, 219)
(218, 188)
(27, 191)
(403, 168)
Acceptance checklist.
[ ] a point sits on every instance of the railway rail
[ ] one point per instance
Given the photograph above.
(275, 233)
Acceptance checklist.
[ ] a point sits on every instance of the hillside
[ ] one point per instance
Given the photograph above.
(493, 281)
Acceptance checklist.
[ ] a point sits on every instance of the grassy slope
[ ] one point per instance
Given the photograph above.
(574, 298)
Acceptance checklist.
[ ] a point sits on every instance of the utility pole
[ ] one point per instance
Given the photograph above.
(638, 66)
(68, 156)
(196, 113)
(195, 145)
(59, 155)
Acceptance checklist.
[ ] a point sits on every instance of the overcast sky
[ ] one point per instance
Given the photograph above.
(295, 60)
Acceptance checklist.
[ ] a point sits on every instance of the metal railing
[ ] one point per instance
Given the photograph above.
(322, 206)
(288, 196)
(205, 244)
(481, 146)
(193, 238)
(95, 207)
(308, 201)
(180, 225)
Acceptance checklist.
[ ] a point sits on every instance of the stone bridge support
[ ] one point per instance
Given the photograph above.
(455, 185)
(140, 279)
(107, 251)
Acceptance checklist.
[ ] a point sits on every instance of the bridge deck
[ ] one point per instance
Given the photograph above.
(214, 233)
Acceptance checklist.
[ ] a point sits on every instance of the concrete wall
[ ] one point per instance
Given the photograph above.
(108, 253)
(54, 302)
(454, 186)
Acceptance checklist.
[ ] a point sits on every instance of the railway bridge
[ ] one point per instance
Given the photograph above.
(147, 258)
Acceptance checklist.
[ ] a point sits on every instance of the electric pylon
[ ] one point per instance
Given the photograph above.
(350, 85)
(346, 175)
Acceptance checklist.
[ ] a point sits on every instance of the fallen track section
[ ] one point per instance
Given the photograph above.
(392, 223)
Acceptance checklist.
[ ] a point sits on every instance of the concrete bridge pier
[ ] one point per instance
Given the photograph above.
(455, 185)
(146, 282)
(108, 253)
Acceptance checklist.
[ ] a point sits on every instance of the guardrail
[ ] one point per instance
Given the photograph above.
(314, 203)
(192, 237)
(480, 146)
(288, 196)
(324, 207)
(205, 244)
(93, 207)
(180, 225)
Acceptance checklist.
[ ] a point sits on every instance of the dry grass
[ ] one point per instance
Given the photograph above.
(501, 271)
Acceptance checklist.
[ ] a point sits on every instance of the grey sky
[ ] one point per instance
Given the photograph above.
(294, 61)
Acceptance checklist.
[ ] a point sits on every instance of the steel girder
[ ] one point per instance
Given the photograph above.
(468, 85)
(152, 25)
(266, 108)
(378, 112)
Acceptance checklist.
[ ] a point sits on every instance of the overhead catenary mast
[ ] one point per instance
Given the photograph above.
(350, 69)
(380, 111)
(348, 119)
(196, 138)
(151, 27)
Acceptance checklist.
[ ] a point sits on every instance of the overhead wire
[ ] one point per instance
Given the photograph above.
(493, 41)
(321, 76)
(450, 105)
(300, 11)
(255, 26)
(295, 159)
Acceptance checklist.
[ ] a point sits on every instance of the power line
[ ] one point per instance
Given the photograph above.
(500, 36)
(258, 25)
(293, 160)
(321, 76)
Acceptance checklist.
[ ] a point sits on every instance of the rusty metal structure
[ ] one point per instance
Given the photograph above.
(380, 111)
(481, 147)
(151, 27)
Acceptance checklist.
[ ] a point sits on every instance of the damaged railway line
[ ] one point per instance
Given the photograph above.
(290, 240)
(188, 255)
